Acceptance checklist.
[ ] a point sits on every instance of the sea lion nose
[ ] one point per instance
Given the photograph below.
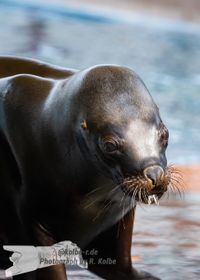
(154, 173)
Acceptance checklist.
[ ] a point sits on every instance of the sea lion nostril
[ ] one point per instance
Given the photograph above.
(154, 173)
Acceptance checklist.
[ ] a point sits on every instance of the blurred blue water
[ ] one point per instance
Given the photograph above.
(167, 60)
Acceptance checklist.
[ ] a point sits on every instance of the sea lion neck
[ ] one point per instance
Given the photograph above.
(58, 103)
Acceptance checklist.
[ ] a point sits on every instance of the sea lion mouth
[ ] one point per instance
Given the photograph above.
(142, 190)
(140, 194)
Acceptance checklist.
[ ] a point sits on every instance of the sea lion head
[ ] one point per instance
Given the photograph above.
(122, 131)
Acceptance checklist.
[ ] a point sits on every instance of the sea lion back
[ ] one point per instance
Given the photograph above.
(10, 65)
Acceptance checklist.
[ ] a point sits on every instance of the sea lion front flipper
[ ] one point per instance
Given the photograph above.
(113, 250)
(143, 275)
(55, 272)
(112, 259)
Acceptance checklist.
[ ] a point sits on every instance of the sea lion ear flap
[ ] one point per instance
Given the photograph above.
(84, 125)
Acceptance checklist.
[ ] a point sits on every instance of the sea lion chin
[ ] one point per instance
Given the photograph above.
(78, 150)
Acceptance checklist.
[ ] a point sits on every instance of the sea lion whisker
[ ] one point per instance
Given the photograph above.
(140, 198)
(167, 193)
(177, 190)
(94, 201)
(90, 194)
(112, 191)
(143, 194)
(176, 181)
(101, 211)
(171, 186)
(177, 177)
(122, 199)
(94, 190)
(178, 185)
(132, 196)
(105, 208)
(146, 195)
(135, 191)
(90, 204)
(130, 181)
(172, 166)
(120, 204)
(133, 185)
(133, 205)
(175, 171)
(109, 202)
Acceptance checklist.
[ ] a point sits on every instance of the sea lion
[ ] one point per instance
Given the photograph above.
(78, 149)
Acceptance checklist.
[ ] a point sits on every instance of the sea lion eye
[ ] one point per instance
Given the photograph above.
(109, 145)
